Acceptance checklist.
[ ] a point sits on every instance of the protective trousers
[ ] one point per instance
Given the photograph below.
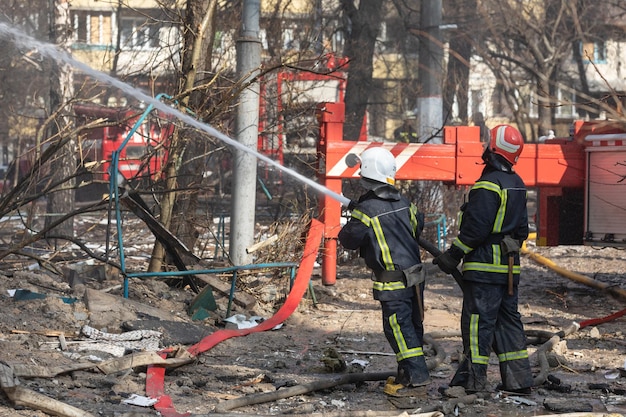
(404, 330)
(490, 320)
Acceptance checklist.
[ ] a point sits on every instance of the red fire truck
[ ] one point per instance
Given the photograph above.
(144, 153)
(580, 180)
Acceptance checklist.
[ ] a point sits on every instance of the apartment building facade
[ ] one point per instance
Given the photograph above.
(140, 41)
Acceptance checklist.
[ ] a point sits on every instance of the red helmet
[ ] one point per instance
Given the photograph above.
(507, 142)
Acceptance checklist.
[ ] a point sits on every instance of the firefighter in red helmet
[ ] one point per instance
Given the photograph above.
(505, 142)
(494, 224)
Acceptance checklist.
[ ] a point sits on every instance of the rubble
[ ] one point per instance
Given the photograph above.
(37, 336)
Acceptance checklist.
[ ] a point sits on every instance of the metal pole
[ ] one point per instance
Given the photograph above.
(243, 200)
(430, 100)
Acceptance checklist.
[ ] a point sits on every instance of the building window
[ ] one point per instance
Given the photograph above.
(137, 33)
(262, 36)
(566, 105)
(337, 41)
(533, 104)
(593, 51)
(92, 28)
(288, 39)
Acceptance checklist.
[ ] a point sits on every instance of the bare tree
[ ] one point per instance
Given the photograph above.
(528, 47)
(361, 26)
(61, 200)
(461, 13)
(184, 168)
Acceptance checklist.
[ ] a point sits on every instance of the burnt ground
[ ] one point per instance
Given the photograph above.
(334, 331)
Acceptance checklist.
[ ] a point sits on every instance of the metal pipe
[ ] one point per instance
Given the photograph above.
(114, 185)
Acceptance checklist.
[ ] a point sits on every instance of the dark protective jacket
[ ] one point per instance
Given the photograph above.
(496, 207)
(405, 134)
(385, 227)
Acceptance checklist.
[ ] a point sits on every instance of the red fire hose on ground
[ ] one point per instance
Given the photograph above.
(156, 374)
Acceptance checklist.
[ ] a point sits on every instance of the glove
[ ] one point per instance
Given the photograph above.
(352, 205)
(446, 262)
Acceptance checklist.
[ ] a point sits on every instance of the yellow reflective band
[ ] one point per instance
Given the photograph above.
(495, 249)
(414, 221)
(487, 186)
(389, 286)
(403, 351)
(466, 249)
(513, 356)
(410, 353)
(382, 243)
(359, 215)
(485, 267)
(497, 224)
(475, 351)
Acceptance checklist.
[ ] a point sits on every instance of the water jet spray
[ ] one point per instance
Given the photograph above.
(59, 55)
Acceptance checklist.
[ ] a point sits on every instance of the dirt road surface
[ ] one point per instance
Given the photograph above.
(334, 332)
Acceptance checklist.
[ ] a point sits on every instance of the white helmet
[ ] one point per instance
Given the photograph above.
(378, 164)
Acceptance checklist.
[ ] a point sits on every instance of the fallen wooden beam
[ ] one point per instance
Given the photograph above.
(24, 397)
(38, 371)
(262, 244)
(141, 359)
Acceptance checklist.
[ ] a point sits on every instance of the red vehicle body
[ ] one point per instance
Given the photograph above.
(142, 156)
(580, 179)
(287, 107)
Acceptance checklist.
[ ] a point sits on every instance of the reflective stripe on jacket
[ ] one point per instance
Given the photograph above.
(385, 227)
(496, 207)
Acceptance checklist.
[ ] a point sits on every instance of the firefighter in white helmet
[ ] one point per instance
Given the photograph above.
(494, 224)
(384, 226)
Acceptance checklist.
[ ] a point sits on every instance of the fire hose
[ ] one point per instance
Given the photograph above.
(582, 279)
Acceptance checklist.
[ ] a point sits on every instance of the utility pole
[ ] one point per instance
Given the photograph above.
(430, 100)
(429, 94)
(243, 201)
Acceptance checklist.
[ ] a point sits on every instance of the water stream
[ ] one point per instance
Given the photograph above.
(48, 50)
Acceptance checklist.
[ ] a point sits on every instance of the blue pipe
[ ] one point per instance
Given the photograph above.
(440, 223)
(233, 269)
(114, 190)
